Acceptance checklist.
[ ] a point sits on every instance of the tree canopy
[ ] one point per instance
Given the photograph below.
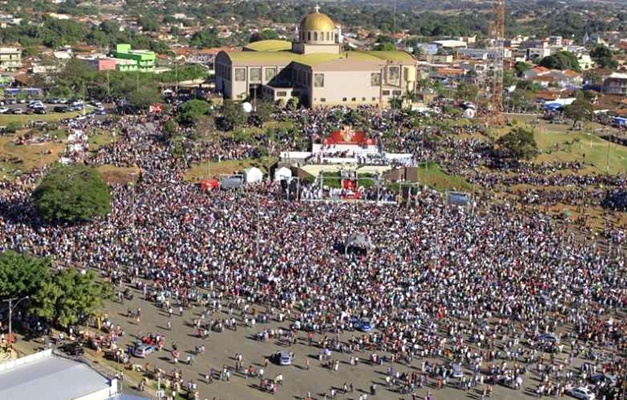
(190, 111)
(145, 96)
(21, 275)
(266, 34)
(70, 297)
(579, 111)
(232, 116)
(561, 60)
(72, 193)
(602, 56)
(518, 144)
(64, 297)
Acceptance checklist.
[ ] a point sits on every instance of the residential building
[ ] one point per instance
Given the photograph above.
(100, 63)
(585, 61)
(555, 41)
(615, 83)
(450, 44)
(315, 69)
(142, 60)
(482, 54)
(10, 58)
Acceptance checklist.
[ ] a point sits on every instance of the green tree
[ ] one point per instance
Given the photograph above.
(22, 275)
(190, 111)
(70, 297)
(467, 91)
(518, 144)
(579, 111)
(266, 34)
(396, 103)
(72, 193)
(145, 96)
(232, 116)
(561, 60)
(170, 129)
(263, 110)
(520, 67)
(148, 23)
(592, 77)
(387, 46)
(205, 39)
(603, 57)
(293, 103)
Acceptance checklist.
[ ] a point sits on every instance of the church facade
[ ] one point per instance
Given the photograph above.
(315, 70)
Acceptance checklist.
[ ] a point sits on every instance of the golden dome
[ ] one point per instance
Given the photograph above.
(317, 22)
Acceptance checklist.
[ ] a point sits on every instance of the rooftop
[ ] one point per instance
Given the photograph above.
(269, 45)
(286, 57)
(44, 376)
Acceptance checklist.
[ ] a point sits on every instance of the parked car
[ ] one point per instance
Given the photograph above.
(283, 358)
(73, 349)
(456, 370)
(17, 111)
(549, 337)
(582, 393)
(40, 111)
(4, 110)
(60, 109)
(363, 324)
(607, 379)
(142, 350)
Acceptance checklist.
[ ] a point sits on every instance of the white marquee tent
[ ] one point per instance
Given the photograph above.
(253, 175)
(282, 173)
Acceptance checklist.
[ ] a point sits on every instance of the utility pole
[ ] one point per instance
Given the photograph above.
(11, 307)
(394, 21)
(176, 75)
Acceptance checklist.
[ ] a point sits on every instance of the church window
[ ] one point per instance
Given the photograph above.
(318, 80)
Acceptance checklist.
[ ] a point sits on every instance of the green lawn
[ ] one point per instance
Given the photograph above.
(23, 119)
(215, 169)
(26, 157)
(113, 174)
(578, 146)
(99, 139)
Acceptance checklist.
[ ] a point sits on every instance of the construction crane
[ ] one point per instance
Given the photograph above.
(497, 37)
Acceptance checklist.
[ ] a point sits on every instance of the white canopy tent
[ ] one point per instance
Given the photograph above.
(282, 173)
(253, 175)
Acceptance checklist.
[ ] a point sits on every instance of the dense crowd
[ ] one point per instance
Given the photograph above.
(482, 288)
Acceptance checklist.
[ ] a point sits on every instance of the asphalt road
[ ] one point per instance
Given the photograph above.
(298, 380)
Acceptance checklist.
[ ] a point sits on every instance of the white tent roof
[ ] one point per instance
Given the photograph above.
(253, 175)
(282, 173)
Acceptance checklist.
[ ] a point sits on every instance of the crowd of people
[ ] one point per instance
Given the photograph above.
(483, 289)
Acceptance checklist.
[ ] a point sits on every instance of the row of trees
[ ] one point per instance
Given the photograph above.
(141, 89)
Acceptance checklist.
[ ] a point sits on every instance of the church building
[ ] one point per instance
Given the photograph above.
(315, 69)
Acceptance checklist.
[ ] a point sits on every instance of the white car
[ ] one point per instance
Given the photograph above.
(4, 110)
(581, 392)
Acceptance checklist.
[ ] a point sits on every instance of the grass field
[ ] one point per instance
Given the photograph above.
(23, 119)
(99, 139)
(26, 157)
(201, 171)
(567, 147)
(112, 174)
(433, 176)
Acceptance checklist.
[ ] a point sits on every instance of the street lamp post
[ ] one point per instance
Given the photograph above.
(11, 307)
